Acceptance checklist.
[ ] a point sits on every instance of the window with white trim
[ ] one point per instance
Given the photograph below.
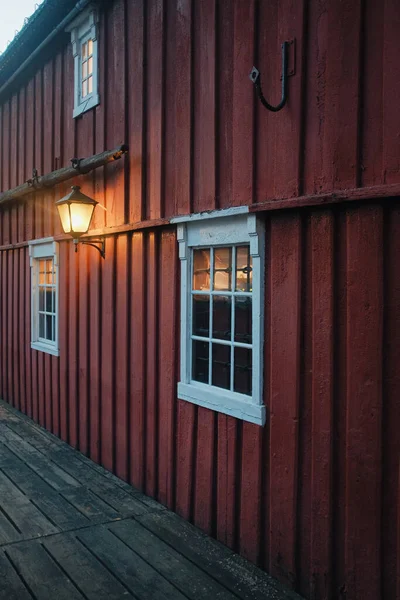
(44, 295)
(222, 266)
(85, 51)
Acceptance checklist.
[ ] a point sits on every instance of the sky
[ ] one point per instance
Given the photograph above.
(13, 13)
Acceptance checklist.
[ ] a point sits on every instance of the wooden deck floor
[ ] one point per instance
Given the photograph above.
(69, 529)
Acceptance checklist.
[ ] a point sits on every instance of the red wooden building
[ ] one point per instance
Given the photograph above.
(242, 366)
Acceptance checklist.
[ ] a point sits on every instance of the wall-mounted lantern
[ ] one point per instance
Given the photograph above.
(76, 212)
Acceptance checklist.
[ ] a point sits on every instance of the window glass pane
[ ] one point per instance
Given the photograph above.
(49, 300)
(84, 89)
(221, 366)
(90, 47)
(41, 299)
(41, 326)
(84, 50)
(222, 317)
(54, 328)
(244, 270)
(90, 85)
(200, 361)
(90, 66)
(222, 268)
(243, 320)
(201, 269)
(49, 271)
(243, 371)
(201, 315)
(49, 327)
(84, 69)
(42, 269)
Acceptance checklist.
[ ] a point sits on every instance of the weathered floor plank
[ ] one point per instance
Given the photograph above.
(69, 529)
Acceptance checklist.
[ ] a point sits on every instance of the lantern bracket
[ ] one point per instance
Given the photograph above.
(98, 243)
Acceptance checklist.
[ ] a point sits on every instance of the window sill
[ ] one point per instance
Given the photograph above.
(234, 405)
(87, 105)
(44, 348)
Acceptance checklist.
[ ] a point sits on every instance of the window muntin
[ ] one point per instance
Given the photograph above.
(221, 317)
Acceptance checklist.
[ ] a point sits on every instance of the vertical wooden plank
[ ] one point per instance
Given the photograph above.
(6, 170)
(82, 326)
(243, 104)
(332, 111)
(21, 161)
(29, 229)
(225, 85)
(27, 324)
(58, 132)
(391, 404)
(38, 156)
(10, 332)
(23, 338)
(137, 106)
(48, 399)
(73, 346)
(99, 217)
(122, 358)
(115, 115)
(65, 252)
(108, 357)
(183, 104)
(155, 108)
(4, 324)
(204, 478)
(95, 345)
(398, 539)
(15, 291)
(364, 402)
(14, 124)
(284, 390)
(391, 74)
(250, 496)
(204, 107)
(170, 76)
(138, 338)
(48, 147)
(55, 395)
(168, 328)
(322, 403)
(371, 157)
(228, 479)
(185, 458)
(151, 365)
(278, 135)
(40, 384)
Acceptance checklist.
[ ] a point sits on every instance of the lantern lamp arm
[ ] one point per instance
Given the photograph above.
(99, 244)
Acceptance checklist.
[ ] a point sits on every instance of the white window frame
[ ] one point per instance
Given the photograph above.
(45, 248)
(223, 228)
(83, 28)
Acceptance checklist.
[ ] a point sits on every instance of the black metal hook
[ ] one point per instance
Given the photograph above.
(255, 77)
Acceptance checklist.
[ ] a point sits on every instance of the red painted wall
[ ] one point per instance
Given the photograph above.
(313, 496)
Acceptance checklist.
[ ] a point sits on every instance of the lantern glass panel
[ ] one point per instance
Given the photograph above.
(63, 211)
(81, 215)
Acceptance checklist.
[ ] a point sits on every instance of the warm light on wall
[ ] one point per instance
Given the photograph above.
(76, 212)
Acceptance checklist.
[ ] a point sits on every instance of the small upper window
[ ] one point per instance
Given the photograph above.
(84, 46)
(222, 314)
(44, 295)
